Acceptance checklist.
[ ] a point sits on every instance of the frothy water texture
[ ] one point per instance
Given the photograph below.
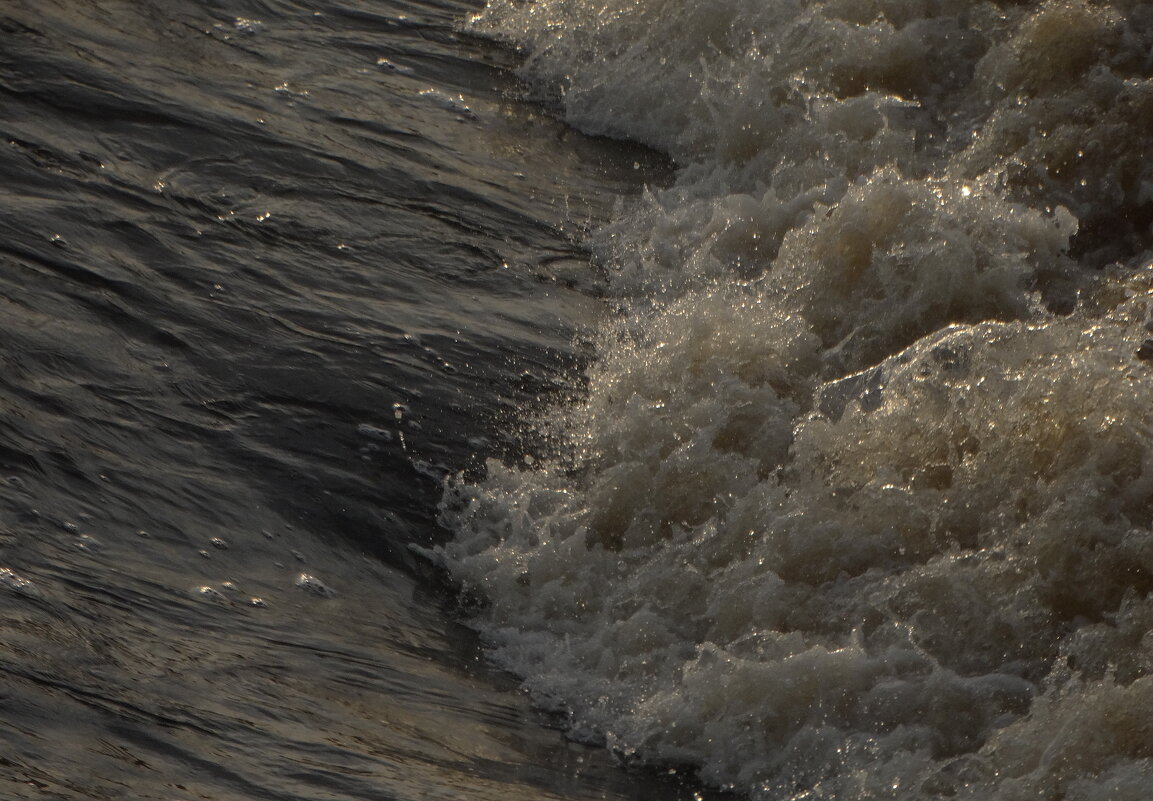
(855, 502)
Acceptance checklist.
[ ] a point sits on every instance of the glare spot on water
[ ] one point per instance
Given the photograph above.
(86, 542)
(247, 26)
(391, 66)
(312, 584)
(11, 581)
(211, 593)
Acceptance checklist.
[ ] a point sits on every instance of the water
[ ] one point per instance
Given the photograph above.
(827, 477)
(268, 270)
(854, 499)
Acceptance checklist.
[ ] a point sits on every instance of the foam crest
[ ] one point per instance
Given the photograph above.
(857, 502)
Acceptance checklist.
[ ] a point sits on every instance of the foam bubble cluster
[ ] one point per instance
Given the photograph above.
(858, 503)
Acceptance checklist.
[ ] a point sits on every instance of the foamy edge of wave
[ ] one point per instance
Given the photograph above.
(856, 504)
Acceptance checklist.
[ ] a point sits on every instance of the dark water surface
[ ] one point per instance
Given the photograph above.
(267, 270)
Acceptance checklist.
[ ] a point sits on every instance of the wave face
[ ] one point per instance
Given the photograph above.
(856, 503)
(267, 269)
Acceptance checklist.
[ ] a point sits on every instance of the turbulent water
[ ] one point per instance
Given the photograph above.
(856, 500)
(830, 477)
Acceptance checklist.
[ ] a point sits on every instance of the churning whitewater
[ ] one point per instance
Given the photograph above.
(856, 501)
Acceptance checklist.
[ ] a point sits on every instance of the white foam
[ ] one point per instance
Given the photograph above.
(857, 504)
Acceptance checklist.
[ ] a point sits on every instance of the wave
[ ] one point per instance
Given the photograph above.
(857, 500)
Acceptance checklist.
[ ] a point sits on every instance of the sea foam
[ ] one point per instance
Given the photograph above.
(856, 503)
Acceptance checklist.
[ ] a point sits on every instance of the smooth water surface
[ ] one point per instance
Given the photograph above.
(268, 269)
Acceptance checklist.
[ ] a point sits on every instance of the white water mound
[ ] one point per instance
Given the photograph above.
(859, 501)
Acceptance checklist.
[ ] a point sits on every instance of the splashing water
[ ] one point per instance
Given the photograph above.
(856, 502)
